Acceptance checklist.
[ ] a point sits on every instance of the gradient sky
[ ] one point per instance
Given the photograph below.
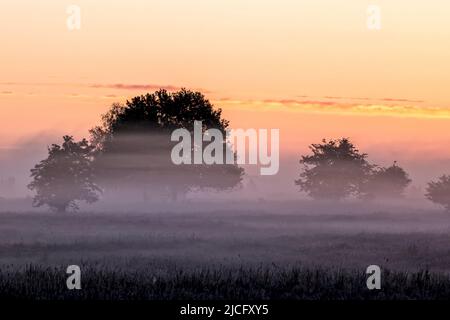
(311, 68)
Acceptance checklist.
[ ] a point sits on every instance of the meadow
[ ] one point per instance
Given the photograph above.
(251, 253)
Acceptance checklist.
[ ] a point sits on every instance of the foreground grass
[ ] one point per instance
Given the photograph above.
(35, 282)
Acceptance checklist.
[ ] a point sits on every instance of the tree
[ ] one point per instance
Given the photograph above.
(65, 177)
(388, 182)
(334, 171)
(439, 191)
(133, 144)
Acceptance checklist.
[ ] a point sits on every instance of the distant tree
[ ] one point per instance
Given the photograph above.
(334, 171)
(439, 191)
(134, 147)
(389, 182)
(65, 177)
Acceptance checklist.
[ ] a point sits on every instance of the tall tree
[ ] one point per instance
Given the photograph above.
(335, 170)
(65, 176)
(134, 147)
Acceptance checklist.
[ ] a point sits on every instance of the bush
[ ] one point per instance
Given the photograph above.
(439, 191)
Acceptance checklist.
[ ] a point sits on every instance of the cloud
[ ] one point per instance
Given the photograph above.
(402, 100)
(338, 107)
(123, 86)
(149, 87)
(294, 101)
(347, 98)
(118, 86)
(374, 99)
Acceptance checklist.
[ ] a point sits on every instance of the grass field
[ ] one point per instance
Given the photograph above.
(226, 254)
(216, 283)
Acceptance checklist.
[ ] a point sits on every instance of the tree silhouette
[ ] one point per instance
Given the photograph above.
(66, 176)
(388, 182)
(334, 171)
(439, 191)
(134, 147)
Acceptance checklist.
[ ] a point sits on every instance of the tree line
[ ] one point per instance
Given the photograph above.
(131, 148)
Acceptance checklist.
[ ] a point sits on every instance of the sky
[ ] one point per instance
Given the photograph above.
(313, 69)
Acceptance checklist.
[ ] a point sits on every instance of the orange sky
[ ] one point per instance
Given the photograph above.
(310, 68)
